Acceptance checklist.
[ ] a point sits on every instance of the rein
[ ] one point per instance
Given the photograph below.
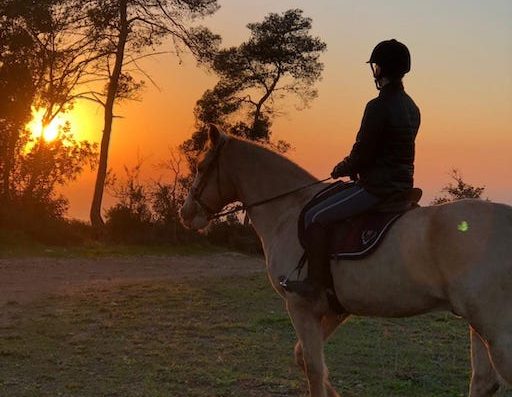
(239, 208)
(214, 164)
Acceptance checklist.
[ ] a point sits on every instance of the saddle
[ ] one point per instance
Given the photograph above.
(359, 236)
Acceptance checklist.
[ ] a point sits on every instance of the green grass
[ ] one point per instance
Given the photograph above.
(225, 337)
(23, 248)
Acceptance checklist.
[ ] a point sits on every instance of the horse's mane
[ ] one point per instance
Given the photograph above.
(267, 154)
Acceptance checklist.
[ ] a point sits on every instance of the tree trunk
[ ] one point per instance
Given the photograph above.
(8, 161)
(263, 99)
(95, 214)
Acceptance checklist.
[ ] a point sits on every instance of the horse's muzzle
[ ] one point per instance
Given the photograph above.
(192, 216)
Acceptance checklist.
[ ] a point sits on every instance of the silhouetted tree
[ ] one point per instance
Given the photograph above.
(17, 90)
(39, 66)
(130, 219)
(61, 53)
(148, 211)
(458, 190)
(43, 166)
(279, 59)
(34, 205)
(130, 30)
(168, 196)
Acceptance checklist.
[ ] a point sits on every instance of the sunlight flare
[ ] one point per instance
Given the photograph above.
(49, 132)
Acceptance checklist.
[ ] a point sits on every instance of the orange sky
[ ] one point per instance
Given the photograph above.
(461, 79)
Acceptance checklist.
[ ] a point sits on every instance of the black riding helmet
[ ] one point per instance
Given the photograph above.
(393, 58)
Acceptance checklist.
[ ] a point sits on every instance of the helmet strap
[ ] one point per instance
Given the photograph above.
(381, 82)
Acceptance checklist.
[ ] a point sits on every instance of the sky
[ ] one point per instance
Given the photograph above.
(461, 79)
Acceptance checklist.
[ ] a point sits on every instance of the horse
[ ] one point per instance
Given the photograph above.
(426, 262)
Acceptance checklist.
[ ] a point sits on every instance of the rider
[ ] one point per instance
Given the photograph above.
(381, 162)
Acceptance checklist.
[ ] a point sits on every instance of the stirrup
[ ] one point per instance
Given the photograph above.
(304, 288)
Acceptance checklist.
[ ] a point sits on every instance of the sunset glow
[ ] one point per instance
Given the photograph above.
(49, 132)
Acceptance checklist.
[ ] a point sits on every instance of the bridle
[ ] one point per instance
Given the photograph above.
(197, 190)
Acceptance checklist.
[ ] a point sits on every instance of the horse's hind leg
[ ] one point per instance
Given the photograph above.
(484, 380)
(329, 323)
(500, 349)
(308, 327)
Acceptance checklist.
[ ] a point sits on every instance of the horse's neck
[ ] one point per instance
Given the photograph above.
(260, 174)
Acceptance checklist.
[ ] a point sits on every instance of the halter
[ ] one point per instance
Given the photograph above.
(197, 191)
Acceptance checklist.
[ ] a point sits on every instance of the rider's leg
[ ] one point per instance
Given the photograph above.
(317, 251)
(346, 203)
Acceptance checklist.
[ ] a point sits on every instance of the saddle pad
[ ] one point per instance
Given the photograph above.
(359, 236)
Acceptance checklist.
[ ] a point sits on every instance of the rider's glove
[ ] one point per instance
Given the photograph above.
(343, 169)
(339, 171)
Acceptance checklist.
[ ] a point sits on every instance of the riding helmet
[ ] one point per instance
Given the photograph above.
(393, 57)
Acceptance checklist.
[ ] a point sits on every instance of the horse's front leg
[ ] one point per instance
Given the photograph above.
(329, 324)
(307, 321)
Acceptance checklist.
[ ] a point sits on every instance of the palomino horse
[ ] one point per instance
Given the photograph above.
(455, 257)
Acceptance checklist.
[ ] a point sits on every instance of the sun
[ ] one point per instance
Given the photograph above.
(49, 132)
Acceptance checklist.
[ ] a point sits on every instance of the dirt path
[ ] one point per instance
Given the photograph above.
(25, 279)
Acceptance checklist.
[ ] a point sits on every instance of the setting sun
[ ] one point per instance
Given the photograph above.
(49, 132)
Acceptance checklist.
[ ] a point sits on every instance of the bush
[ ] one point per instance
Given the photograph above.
(124, 225)
(234, 235)
(41, 222)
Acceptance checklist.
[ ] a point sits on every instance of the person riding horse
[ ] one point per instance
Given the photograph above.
(381, 162)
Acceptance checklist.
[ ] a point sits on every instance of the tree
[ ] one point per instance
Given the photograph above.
(17, 88)
(62, 53)
(168, 197)
(458, 190)
(149, 211)
(40, 65)
(36, 70)
(280, 58)
(128, 29)
(130, 218)
(43, 166)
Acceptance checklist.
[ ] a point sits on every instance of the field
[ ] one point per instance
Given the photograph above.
(184, 328)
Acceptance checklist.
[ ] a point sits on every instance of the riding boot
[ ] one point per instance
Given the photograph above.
(318, 279)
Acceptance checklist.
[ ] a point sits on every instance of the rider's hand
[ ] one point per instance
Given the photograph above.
(338, 171)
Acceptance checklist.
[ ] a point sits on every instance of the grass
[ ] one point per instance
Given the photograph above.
(213, 338)
(24, 248)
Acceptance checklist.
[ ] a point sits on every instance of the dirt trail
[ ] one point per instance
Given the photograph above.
(25, 279)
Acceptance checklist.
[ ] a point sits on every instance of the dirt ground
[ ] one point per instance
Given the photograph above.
(26, 279)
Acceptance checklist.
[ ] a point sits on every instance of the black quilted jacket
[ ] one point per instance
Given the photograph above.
(383, 154)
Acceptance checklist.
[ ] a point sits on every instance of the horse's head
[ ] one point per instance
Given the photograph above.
(212, 188)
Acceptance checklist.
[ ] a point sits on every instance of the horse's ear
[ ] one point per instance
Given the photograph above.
(214, 134)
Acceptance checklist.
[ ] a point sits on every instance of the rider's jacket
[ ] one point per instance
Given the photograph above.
(383, 154)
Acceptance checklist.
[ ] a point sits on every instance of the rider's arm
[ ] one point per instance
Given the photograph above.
(365, 147)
